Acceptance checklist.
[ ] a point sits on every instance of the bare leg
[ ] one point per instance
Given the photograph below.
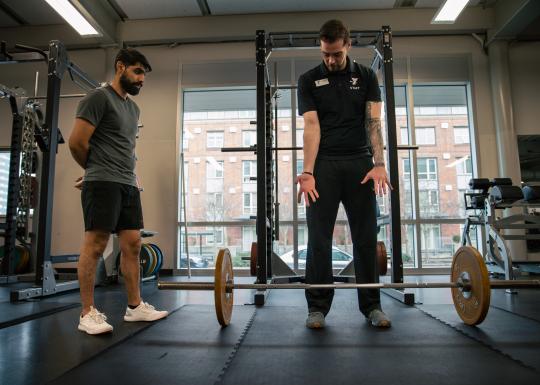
(92, 249)
(130, 244)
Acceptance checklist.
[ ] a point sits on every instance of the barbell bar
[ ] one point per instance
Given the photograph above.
(230, 285)
(469, 281)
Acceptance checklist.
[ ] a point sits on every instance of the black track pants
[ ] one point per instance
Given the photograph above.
(339, 181)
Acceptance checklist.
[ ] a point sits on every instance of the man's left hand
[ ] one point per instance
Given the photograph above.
(380, 180)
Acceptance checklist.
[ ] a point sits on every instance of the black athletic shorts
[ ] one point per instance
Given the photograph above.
(111, 207)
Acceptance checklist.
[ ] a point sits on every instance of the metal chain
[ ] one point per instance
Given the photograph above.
(31, 118)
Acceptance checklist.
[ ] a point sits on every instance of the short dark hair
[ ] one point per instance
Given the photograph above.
(334, 30)
(130, 57)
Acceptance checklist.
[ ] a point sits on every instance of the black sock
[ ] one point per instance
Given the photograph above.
(133, 307)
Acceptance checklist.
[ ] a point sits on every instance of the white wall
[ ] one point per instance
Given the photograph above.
(525, 77)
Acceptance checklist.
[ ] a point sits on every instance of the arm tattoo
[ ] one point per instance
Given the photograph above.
(373, 125)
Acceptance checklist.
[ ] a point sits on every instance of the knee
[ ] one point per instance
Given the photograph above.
(96, 246)
(132, 248)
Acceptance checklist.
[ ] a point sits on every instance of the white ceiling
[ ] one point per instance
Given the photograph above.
(7, 21)
(33, 12)
(228, 7)
(38, 12)
(155, 9)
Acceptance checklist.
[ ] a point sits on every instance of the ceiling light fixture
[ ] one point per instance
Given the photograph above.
(449, 11)
(73, 17)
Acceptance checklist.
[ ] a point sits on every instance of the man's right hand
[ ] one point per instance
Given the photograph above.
(307, 188)
(79, 182)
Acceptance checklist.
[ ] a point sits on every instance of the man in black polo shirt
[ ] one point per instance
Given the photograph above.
(340, 101)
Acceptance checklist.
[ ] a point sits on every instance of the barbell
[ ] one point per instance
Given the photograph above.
(469, 282)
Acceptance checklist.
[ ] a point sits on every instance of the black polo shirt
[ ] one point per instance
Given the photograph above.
(340, 101)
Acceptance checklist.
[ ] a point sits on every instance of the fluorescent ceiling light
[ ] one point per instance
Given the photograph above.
(449, 11)
(73, 17)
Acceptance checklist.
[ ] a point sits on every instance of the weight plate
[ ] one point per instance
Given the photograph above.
(382, 258)
(253, 260)
(153, 261)
(223, 275)
(155, 271)
(468, 265)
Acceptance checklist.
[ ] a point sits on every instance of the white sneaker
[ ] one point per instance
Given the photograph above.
(94, 322)
(144, 312)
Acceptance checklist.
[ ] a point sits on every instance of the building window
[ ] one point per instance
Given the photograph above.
(461, 135)
(302, 235)
(407, 167)
(428, 187)
(215, 200)
(249, 236)
(425, 135)
(214, 139)
(429, 202)
(249, 170)
(302, 204)
(431, 237)
(249, 138)
(405, 135)
(216, 238)
(187, 135)
(250, 203)
(299, 138)
(299, 166)
(427, 169)
(214, 207)
(214, 169)
(463, 172)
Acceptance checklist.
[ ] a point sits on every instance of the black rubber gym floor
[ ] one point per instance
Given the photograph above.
(188, 347)
(270, 345)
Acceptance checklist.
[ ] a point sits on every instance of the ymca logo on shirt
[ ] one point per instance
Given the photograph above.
(354, 84)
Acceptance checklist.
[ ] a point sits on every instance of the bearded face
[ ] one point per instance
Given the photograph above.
(130, 84)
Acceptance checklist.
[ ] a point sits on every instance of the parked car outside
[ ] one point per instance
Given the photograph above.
(340, 258)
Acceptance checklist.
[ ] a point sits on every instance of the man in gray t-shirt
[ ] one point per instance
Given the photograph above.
(103, 144)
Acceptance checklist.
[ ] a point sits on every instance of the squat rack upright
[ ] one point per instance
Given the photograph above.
(381, 42)
(57, 64)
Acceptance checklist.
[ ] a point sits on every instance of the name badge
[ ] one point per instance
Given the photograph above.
(322, 82)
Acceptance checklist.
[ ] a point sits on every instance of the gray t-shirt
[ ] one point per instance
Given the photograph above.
(111, 156)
